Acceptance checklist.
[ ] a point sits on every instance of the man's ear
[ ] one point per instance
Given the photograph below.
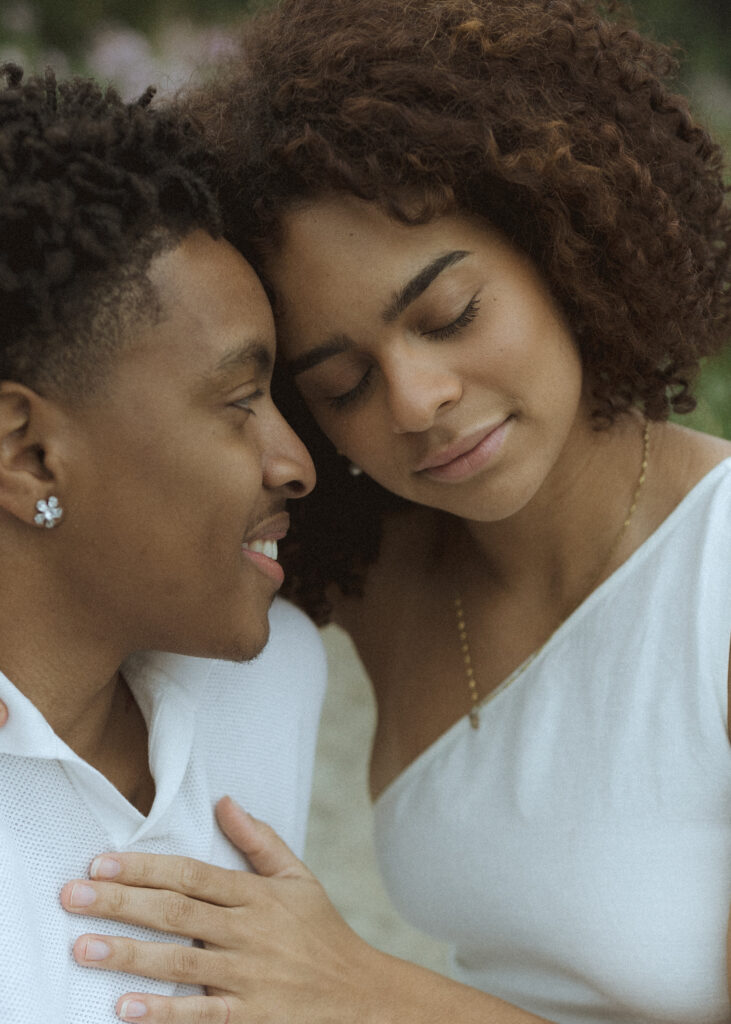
(28, 442)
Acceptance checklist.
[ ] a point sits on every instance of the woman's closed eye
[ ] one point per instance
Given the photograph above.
(443, 333)
(465, 318)
(340, 401)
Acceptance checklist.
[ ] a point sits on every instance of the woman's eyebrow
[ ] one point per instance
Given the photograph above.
(333, 346)
(420, 282)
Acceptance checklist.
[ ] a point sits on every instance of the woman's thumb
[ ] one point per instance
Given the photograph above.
(267, 853)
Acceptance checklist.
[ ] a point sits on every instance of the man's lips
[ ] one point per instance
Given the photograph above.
(272, 528)
(260, 547)
(458, 448)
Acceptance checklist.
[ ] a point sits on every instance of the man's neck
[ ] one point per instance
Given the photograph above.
(73, 678)
(75, 701)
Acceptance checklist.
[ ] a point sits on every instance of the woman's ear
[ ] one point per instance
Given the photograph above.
(29, 438)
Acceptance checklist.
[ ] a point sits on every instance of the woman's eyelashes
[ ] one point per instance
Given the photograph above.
(339, 401)
(465, 318)
(443, 333)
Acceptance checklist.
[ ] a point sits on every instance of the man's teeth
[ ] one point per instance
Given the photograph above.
(264, 547)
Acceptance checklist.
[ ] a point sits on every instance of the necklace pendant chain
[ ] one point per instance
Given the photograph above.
(474, 713)
(467, 659)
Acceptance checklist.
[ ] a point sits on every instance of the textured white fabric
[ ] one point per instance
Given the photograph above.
(215, 728)
(575, 851)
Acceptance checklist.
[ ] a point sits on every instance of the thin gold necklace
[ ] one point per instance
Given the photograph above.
(474, 714)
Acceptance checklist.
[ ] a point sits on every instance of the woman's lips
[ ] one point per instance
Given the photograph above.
(466, 457)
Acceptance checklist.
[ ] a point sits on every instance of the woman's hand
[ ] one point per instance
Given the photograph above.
(274, 949)
(273, 946)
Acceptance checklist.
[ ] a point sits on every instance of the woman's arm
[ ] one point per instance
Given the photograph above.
(274, 947)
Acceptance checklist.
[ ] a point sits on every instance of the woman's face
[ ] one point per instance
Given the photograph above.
(432, 356)
(181, 466)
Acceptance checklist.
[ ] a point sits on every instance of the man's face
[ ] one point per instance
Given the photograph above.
(179, 463)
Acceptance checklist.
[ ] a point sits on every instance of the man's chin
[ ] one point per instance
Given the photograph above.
(246, 647)
(243, 639)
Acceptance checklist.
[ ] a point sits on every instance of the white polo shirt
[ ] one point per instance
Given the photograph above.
(215, 727)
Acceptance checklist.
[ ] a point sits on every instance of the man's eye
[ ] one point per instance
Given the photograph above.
(246, 402)
(340, 401)
(466, 317)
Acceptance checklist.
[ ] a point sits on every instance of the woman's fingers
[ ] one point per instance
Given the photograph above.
(221, 886)
(151, 908)
(164, 961)
(267, 853)
(174, 1010)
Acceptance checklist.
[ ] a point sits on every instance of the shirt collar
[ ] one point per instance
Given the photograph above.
(154, 678)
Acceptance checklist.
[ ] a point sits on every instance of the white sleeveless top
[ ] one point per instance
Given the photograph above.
(575, 850)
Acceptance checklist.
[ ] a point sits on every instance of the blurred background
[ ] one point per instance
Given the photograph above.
(134, 43)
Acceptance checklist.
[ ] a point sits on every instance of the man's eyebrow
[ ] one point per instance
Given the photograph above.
(256, 352)
(333, 346)
(420, 282)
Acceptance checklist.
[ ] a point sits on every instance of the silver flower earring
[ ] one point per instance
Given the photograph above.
(48, 513)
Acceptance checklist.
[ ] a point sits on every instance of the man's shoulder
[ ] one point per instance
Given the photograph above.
(289, 623)
(293, 661)
(294, 641)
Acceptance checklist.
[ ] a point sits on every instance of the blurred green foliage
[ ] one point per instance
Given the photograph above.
(68, 27)
(701, 27)
(713, 413)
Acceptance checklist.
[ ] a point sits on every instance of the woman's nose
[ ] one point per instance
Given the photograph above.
(418, 390)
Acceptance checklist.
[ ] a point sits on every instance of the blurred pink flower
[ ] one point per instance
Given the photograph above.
(171, 59)
(123, 56)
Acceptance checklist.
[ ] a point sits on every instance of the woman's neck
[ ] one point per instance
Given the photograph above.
(574, 530)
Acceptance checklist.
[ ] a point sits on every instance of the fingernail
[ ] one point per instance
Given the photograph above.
(104, 867)
(239, 808)
(132, 1009)
(95, 949)
(82, 895)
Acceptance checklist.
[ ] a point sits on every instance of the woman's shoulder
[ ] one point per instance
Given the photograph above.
(706, 450)
(684, 457)
(679, 460)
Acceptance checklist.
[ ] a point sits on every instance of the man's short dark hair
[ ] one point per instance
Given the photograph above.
(91, 188)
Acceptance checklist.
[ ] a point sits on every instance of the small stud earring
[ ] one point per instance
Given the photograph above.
(49, 513)
(354, 470)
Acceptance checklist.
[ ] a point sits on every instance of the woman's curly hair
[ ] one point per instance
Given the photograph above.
(549, 118)
(91, 188)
